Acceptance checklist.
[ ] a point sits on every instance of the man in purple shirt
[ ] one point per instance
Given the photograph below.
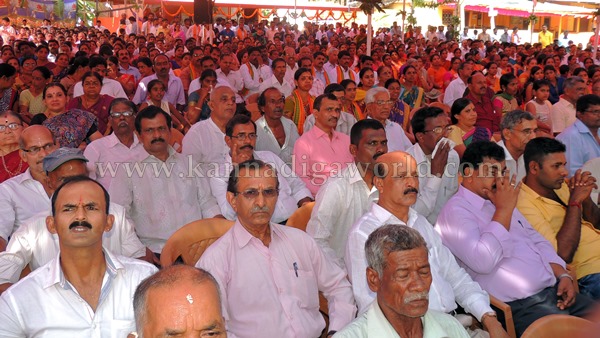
(494, 242)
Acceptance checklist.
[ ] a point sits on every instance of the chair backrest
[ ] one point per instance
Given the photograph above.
(192, 239)
(301, 216)
(558, 326)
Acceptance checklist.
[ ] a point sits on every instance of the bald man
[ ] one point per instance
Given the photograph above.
(27, 194)
(398, 185)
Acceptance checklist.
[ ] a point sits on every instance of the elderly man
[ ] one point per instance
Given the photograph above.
(175, 92)
(275, 134)
(563, 112)
(396, 179)
(282, 266)
(456, 88)
(378, 107)
(33, 245)
(498, 247)
(582, 138)
(277, 80)
(346, 120)
(517, 129)
(205, 141)
(227, 76)
(161, 192)
(24, 195)
(488, 114)
(562, 211)
(253, 72)
(179, 299)
(333, 216)
(106, 154)
(241, 138)
(437, 161)
(82, 278)
(399, 272)
(322, 151)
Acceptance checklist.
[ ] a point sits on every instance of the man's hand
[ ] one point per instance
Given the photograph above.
(494, 328)
(438, 162)
(2, 244)
(241, 155)
(304, 201)
(581, 186)
(566, 293)
(506, 193)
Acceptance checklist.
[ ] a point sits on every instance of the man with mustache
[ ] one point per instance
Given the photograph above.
(346, 120)
(160, 188)
(396, 179)
(437, 162)
(399, 272)
(275, 134)
(241, 138)
(562, 210)
(270, 275)
(379, 107)
(498, 247)
(24, 195)
(322, 151)
(106, 154)
(347, 196)
(33, 245)
(83, 278)
(174, 88)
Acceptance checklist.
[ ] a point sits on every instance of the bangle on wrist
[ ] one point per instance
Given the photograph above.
(564, 275)
(575, 204)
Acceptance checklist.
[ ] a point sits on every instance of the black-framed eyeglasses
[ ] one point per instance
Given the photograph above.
(595, 111)
(244, 136)
(116, 115)
(251, 194)
(10, 126)
(34, 150)
(439, 130)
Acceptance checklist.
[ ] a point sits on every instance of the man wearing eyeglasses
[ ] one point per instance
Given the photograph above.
(436, 160)
(379, 107)
(266, 270)
(23, 196)
(107, 153)
(582, 138)
(517, 128)
(241, 138)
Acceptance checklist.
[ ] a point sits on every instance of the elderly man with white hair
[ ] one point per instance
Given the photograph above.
(378, 107)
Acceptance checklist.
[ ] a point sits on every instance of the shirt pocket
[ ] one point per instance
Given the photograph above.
(306, 288)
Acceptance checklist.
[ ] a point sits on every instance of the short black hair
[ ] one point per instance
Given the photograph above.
(417, 122)
(539, 147)
(334, 87)
(150, 112)
(358, 128)
(78, 179)
(235, 120)
(252, 164)
(320, 98)
(586, 101)
(476, 152)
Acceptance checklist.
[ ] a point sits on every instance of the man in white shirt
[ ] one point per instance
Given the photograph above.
(277, 80)
(436, 160)
(378, 107)
(205, 141)
(229, 77)
(106, 154)
(26, 194)
(320, 74)
(289, 54)
(174, 94)
(32, 244)
(517, 129)
(399, 272)
(563, 112)
(110, 87)
(344, 198)
(241, 138)
(254, 72)
(82, 279)
(456, 88)
(163, 191)
(396, 178)
(343, 70)
(332, 61)
(275, 134)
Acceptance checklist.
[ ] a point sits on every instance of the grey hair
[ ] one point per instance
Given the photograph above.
(370, 96)
(167, 277)
(387, 239)
(572, 81)
(124, 101)
(512, 118)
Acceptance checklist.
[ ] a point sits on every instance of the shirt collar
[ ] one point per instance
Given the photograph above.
(386, 217)
(112, 140)
(581, 127)
(243, 237)
(506, 152)
(25, 176)
(470, 197)
(56, 276)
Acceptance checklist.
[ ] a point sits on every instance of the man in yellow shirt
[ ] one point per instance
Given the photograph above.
(545, 37)
(562, 210)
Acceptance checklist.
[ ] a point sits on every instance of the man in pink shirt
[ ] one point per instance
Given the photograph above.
(322, 151)
(270, 275)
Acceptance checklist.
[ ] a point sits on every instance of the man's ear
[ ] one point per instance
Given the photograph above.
(110, 221)
(506, 134)
(50, 225)
(231, 198)
(353, 150)
(373, 279)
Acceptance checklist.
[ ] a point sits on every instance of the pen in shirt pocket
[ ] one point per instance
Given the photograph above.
(296, 268)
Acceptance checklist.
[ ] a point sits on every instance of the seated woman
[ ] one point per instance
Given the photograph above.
(463, 131)
(11, 127)
(400, 110)
(79, 67)
(539, 106)
(127, 81)
(198, 109)
(367, 81)
(92, 101)
(349, 103)
(62, 67)
(509, 85)
(30, 100)
(300, 104)
(23, 81)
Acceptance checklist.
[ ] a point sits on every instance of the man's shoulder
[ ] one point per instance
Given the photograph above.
(135, 268)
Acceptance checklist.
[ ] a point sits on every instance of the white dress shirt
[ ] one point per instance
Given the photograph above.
(515, 167)
(563, 114)
(106, 154)
(110, 87)
(291, 188)
(290, 72)
(396, 137)
(233, 79)
(434, 191)
(285, 88)
(340, 202)
(21, 197)
(205, 142)
(252, 83)
(33, 244)
(344, 123)
(454, 91)
(450, 283)
(267, 141)
(45, 304)
(161, 197)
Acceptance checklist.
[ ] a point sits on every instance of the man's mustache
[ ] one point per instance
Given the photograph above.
(376, 156)
(417, 296)
(80, 224)
(247, 146)
(156, 140)
(409, 190)
(256, 209)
